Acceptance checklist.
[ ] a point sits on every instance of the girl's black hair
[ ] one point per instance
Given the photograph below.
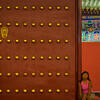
(82, 76)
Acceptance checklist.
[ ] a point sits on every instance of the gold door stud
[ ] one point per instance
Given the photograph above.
(41, 57)
(16, 74)
(16, 24)
(16, 7)
(0, 7)
(66, 41)
(50, 8)
(8, 57)
(0, 24)
(0, 41)
(66, 8)
(66, 57)
(33, 24)
(8, 24)
(49, 57)
(58, 24)
(50, 41)
(8, 41)
(33, 74)
(25, 91)
(58, 8)
(66, 90)
(8, 7)
(8, 74)
(25, 57)
(33, 57)
(58, 90)
(41, 90)
(17, 41)
(0, 74)
(49, 90)
(66, 74)
(58, 74)
(16, 57)
(41, 24)
(25, 74)
(33, 41)
(0, 91)
(66, 24)
(8, 91)
(49, 74)
(33, 7)
(33, 90)
(16, 91)
(50, 24)
(41, 41)
(58, 58)
(58, 41)
(41, 8)
(41, 74)
(0, 57)
(25, 41)
(25, 7)
(25, 24)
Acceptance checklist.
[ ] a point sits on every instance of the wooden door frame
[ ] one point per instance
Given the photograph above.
(78, 68)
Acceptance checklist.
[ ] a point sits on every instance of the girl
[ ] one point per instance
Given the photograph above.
(85, 87)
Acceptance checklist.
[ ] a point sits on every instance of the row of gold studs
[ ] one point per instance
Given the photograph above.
(33, 57)
(33, 41)
(41, 8)
(33, 91)
(34, 24)
(33, 74)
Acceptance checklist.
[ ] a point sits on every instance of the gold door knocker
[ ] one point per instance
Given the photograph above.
(4, 32)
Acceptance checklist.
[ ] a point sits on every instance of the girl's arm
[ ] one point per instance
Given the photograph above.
(90, 84)
(80, 92)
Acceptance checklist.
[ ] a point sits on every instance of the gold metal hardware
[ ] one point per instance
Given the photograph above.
(66, 57)
(33, 57)
(8, 7)
(16, 41)
(58, 24)
(58, 90)
(4, 32)
(41, 57)
(33, 41)
(16, 7)
(33, 90)
(50, 8)
(8, 74)
(33, 7)
(16, 74)
(0, 57)
(58, 74)
(8, 57)
(25, 41)
(58, 8)
(66, 8)
(49, 57)
(66, 41)
(41, 8)
(33, 74)
(57, 57)
(25, 57)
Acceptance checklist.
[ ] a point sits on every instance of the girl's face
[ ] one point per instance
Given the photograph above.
(85, 76)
